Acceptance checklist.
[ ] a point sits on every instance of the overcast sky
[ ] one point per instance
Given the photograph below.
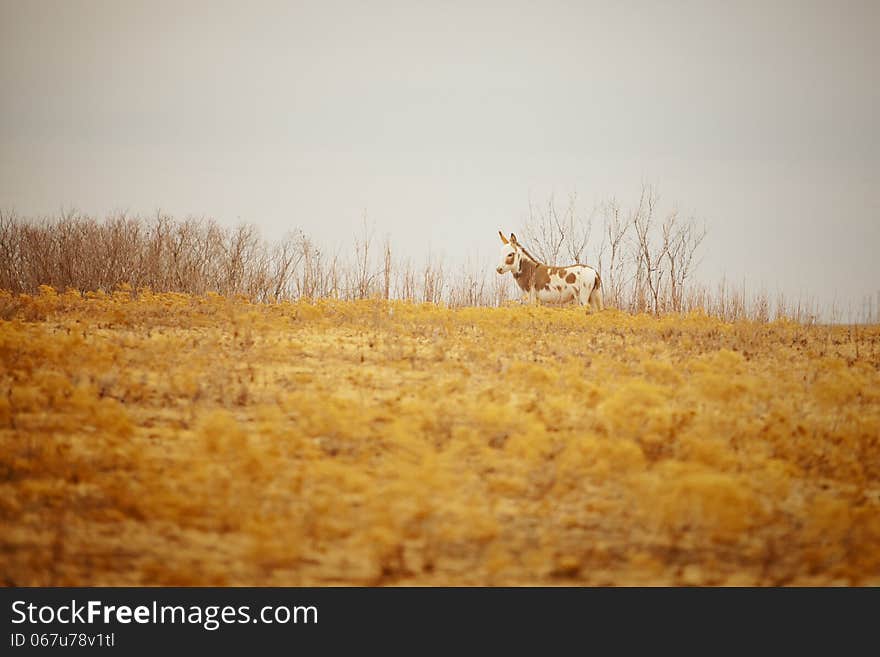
(442, 119)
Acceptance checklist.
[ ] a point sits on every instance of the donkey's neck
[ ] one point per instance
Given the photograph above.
(527, 274)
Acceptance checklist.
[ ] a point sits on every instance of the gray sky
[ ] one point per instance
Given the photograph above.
(442, 119)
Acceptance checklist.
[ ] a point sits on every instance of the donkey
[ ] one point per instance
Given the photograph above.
(550, 284)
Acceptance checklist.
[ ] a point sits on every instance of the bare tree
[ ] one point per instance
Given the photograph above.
(616, 228)
(579, 228)
(406, 282)
(10, 264)
(432, 280)
(555, 234)
(649, 252)
(469, 287)
(545, 232)
(681, 243)
(362, 276)
(310, 279)
(386, 269)
(284, 261)
(242, 252)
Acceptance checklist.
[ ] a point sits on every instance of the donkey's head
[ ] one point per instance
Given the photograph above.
(511, 254)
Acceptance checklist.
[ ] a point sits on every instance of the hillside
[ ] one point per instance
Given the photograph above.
(167, 439)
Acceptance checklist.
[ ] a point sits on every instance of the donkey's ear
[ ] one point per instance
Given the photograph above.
(503, 239)
(513, 238)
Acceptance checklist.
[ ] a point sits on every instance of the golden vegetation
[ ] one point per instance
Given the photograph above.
(180, 440)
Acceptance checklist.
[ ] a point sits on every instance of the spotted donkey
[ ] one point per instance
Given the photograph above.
(550, 284)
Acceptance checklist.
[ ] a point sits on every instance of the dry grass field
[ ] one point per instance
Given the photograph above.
(165, 439)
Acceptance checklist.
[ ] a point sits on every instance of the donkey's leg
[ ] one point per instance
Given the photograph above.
(596, 299)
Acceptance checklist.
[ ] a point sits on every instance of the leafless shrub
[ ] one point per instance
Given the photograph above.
(432, 280)
(649, 251)
(386, 269)
(318, 275)
(406, 282)
(647, 260)
(284, 261)
(163, 254)
(362, 274)
(555, 234)
(681, 243)
(470, 287)
(615, 232)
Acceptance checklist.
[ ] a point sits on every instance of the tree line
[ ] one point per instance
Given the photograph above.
(647, 258)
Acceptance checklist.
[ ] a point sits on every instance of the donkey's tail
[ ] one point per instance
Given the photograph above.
(596, 294)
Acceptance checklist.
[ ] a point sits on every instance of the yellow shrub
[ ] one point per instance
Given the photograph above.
(165, 438)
